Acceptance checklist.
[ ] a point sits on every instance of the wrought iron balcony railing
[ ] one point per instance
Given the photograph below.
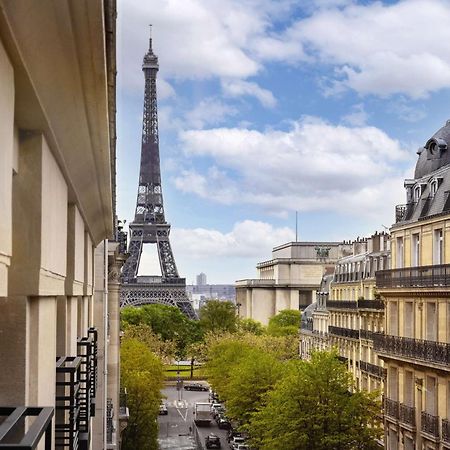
(417, 349)
(422, 276)
(373, 369)
(68, 374)
(344, 332)
(110, 430)
(446, 430)
(342, 304)
(391, 408)
(430, 424)
(12, 425)
(370, 304)
(404, 212)
(366, 334)
(407, 414)
(93, 333)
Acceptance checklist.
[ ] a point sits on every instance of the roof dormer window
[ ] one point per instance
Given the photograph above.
(417, 193)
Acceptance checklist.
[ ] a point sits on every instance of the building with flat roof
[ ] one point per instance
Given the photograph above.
(289, 280)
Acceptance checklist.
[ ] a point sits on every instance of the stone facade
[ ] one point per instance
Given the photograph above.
(57, 184)
(289, 280)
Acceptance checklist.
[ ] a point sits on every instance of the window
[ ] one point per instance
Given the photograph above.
(399, 252)
(431, 322)
(433, 187)
(415, 250)
(393, 318)
(408, 388)
(393, 383)
(417, 193)
(408, 324)
(430, 399)
(438, 247)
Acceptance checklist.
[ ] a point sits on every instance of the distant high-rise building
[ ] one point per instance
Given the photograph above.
(201, 279)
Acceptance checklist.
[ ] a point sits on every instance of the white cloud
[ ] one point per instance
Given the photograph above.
(247, 239)
(239, 88)
(357, 117)
(312, 166)
(382, 49)
(210, 111)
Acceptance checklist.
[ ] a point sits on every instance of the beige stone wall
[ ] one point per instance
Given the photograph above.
(6, 165)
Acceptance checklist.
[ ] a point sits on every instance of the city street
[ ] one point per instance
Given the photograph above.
(174, 430)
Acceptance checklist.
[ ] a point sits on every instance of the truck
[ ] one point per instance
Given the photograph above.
(202, 414)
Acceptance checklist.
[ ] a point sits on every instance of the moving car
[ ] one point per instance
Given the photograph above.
(195, 387)
(212, 441)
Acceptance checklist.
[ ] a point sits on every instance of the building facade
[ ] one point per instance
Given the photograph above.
(289, 280)
(59, 259)
(416, 344)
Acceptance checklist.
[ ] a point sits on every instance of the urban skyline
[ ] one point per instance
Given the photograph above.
(308, 108)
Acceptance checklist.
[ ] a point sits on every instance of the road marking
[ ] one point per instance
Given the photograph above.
(182, 407)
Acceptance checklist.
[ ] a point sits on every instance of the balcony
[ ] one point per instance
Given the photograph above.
(407, 414)
(12, 435)
(366, 334)
(93, 333)
(417, 277)
(391, 408)
(344, 332)
(67, 402)
(372, 369)
(110, 429)
(370, 304)
(446, 430)
(430, 424)
(124, 413)
(417, 349)
(342, 304)
(404, 212)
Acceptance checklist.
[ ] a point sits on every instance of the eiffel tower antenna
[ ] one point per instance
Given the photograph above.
(149, 225)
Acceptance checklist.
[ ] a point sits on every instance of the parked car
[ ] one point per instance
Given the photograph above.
(223, 423)
(212, 441)
(163, 409)
(218, 412)
(195, 387)
(236, 441)
(243, 447)
(233, 433)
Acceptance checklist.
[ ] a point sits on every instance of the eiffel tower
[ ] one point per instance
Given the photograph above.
(149, 225)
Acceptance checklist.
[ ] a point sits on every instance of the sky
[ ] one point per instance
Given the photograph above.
(268, 107)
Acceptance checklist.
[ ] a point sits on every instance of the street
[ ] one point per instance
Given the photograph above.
(174, 433)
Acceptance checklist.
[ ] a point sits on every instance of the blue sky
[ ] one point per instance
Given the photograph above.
(267, 107)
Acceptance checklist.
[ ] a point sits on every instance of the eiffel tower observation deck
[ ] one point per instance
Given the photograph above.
(149, 225)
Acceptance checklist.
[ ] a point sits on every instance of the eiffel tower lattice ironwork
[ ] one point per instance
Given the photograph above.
(149, 225)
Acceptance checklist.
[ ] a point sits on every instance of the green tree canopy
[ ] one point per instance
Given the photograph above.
(251, 326)
(218, 316)
(286, 322)
(142, 376)
(312, 407)
(168, 322)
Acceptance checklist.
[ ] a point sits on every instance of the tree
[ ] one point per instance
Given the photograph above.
(168, 322)
(286, 322)
(312, 407)
(218, 316)
(142, 376)
(251, 326)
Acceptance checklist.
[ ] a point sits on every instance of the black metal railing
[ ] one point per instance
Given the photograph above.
(343, 359)
(391, 408)
(373, 369)
(85, 352)
(446, 430)
(109, 420)
(68, 376)
(12, 434)
(366, 334)
(342, 304)
(404, 212)
(124, 413)
(93, 333)
(430, 424)
(370, 304)
(422, 276)
(407, 414)
(418, 349)
(344, 332)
